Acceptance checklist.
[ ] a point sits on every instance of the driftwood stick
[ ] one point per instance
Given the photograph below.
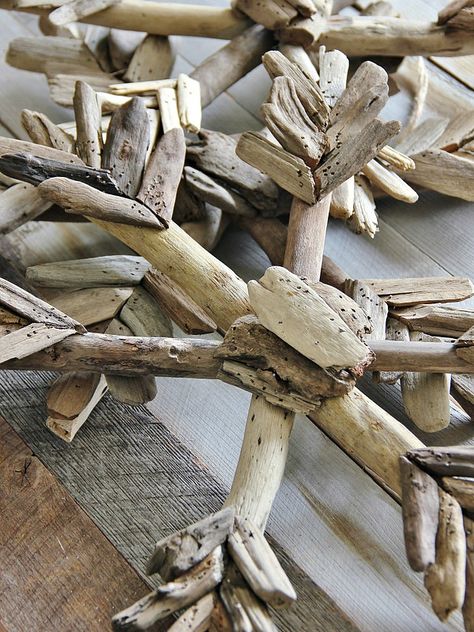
(77, 9)
(14, 146)
(449, 461)
(88, 115)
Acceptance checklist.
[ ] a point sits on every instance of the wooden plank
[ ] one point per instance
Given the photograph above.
(78, 579)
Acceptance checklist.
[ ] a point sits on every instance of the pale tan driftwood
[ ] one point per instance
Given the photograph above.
(215, 154)
(465, 346)
(152, 60)
(34, 309)
(189, 103)
(277, 65)
(62, 86)
(162, 175)
(143, 315)
(177, 304)
(446, 461)
(458, 128)
(396, 158)
(231, 62)
(14, 146)
(167, 102)
(31, 338)
(397, 331)
(306, 236)
(300, 57)
(464, 385)
(389, 182)
(416, 290)
(208, 190)
(173, 596)
(437, 320)
(176, 554)
(88, 117)
(468, 605)
(419, 81)
(81, 199)
(259, 565)
(374, 306)
(272, 14)
(197, 618)
(111, 102)
(423, 137)
(68, 30)
(427, 357)
(43, 132)
(287, 120)
(445, 579)
(426, 397)
(420, 508)
(288, 306)
(141, 87)
(208, 230)
(20, 203)
(92, 305)
(333, 69)
(288, 171)
(462, 489)
(342, 200)
(114, 270)
(75, 10)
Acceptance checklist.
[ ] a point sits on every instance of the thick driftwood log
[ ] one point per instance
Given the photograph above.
(450, 461)
(176, 554)
(231, 62)
(173, 596)
(19, 204)
(429, 357)
(437, 320)
(413, 291)
(88, 115)
(78, 198)
(34, 169)
(420, 507)
(177, 304)
(445, 580)
(259, 565)
(126, 145)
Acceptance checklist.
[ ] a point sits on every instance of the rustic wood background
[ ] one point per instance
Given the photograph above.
(141, 473)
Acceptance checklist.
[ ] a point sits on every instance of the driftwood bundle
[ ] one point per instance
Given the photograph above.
(300, 337)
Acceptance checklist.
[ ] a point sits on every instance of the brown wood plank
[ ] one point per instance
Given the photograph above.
(59, 572)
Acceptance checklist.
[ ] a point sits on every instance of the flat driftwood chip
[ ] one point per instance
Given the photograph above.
(420, 508)
(93, 305)
(176, 554)
(465, 346)
(143, 314)
(30, 339)
(43, 131)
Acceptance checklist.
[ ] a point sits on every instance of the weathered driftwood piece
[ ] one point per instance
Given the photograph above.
(374, 306)
(451, 9)
(396, 158)
(389, 182)
(31, 338)
(465, 346)
(152, 59)
(259, 565)
(332, 274)
(163, 174)
(286, 118)
(463, 385)
(126, 144)
(70, 400)
(426, 397)
(277, 65)
(288, 171)
(462, 489)
(437, 320)
(424, 136)
(231, 62)
(413, 291)
(333, 69)
(468, 605)
(81, 199)
(419, 84)
(208, 230)
(20, 203)
(88, 115)
(176, 554)
(34, 169)
(189, 103)
(326, 340)
(420, 508)
(270, 235)
(34, 309)
(14, 146)
(137, 88)
(44, 132)
(197, 618)
(464, 19)
(135, 390)
(445, 580)
(208, 190)
(272, 14)
(121, 46)
(75, 10)
(143, 315)
(342, 200)
(168, 104)
(397, 331)
(111, 102)
(173, 596)
(215, 154)
(177, 304)
(249, 343)
(300, 57)
(445, 461)
(113, 270)
(92, 305)
(428, 357)
(62, 87)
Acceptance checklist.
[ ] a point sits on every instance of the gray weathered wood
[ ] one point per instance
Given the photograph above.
(450, 461)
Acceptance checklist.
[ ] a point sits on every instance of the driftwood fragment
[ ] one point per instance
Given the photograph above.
(374, 306)
(397, 331)
(88, 116)
(300, 57)
(259, 565)
(462, 489)
(75, 10)
(143, 315)
(126, 145)
(14, 146)
(326, 339)
(70, 400)
(364, 218)
(468, 605)
(137, 88)
(395, 158)
(445, 580)
(272, 14)
(413, 291)
(333, 69)
(93, 305)
(121, 45)
(176, 554)
(189, 103)
(208, 230)
(389, 182)
(463, 386)
(168, 598)
(20, 203)
(177, 304)
(44, 132)
(31, 338)
(152, 59)
(445, 461)
(162, 175)
(81, 199)
(168, 104)
(420, 507)
(342, 200)
(437, 320)
(197, 618)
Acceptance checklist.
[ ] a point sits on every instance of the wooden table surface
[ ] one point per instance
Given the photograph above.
(141, 473)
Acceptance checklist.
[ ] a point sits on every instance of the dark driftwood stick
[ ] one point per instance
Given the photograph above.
(35, 169)
(450, 461)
